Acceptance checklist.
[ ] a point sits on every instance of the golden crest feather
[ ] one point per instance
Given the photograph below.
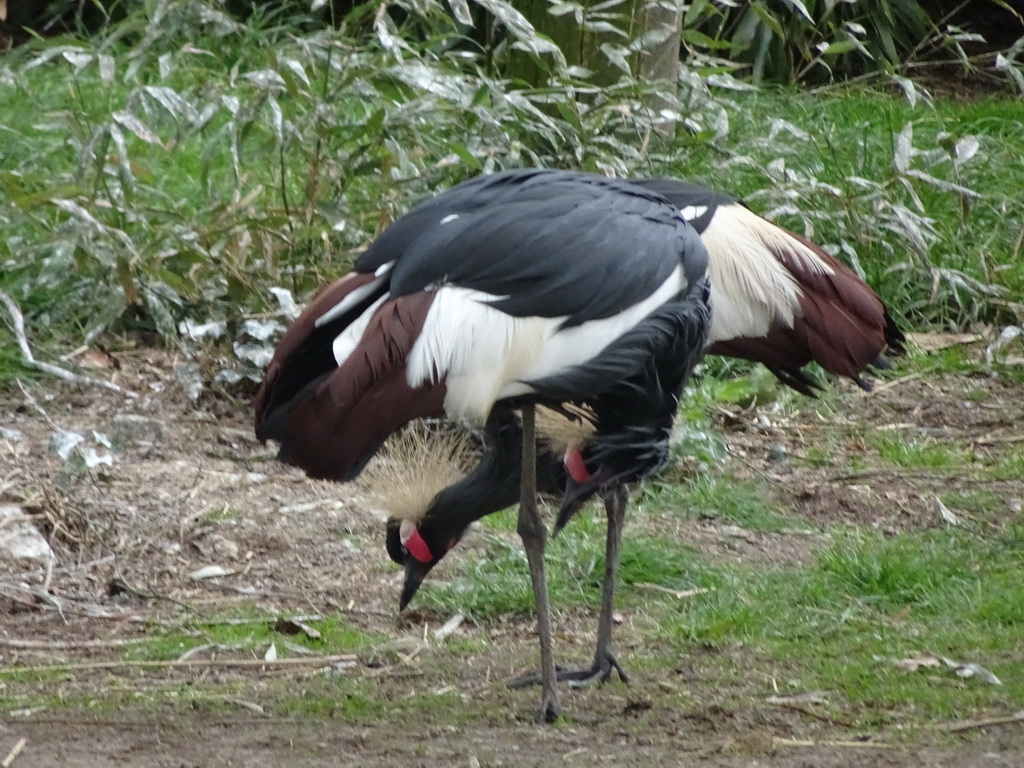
(415, 464)
(559, 432)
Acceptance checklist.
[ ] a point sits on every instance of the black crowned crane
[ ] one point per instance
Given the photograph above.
(520, 288)
(778, 299)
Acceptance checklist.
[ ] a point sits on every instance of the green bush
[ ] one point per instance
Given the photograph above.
(194, 162)
(791, 40)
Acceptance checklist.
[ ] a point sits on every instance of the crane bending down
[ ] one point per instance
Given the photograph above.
(778, 299)
(520, 288)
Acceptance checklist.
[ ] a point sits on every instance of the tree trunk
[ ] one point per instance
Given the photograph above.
(581, 35)
(660, 60)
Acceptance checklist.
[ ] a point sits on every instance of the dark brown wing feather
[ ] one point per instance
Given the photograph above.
(843, 326)
(334, 428)
(302, 346)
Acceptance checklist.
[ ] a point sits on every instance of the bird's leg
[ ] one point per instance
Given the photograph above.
(604, 658)
(534, 535)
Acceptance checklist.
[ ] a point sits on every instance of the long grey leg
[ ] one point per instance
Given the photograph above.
(534, 535)
(604, 658)
(615, 499)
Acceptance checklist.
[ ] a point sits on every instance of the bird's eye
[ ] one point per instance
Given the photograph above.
(405, 551)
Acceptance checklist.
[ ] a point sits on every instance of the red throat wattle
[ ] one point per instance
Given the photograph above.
(417, 546)
(574, 465)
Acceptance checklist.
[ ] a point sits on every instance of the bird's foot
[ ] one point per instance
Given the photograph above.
(549, 710)
(599, 672)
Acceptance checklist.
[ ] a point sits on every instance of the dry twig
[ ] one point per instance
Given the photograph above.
(61, 605)
(297, 661)
(894, 383)
(969, 725)
(13, 754)
(812, 713)
(73, 645)
(781, 742)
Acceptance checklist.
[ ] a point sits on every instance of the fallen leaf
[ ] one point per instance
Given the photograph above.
(448, 628)
(1007, 335)
(933, 342)
(209, 572)
(946, 515)
(250, 705)
(970, 669)
(97, 358)
(928, 660)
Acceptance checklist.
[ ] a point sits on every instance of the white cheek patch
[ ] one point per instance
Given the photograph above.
(406, 530)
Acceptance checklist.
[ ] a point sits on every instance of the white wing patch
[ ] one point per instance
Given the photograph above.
(355, 297)
(692, 212)
(475, 347)
(347, 340)
(751, 290)
(486, 355)
(569, 347)
(448, 218)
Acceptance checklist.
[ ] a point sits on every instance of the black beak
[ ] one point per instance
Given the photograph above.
(415, 572)
(575, 496)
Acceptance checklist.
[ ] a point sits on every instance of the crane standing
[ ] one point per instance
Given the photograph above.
(521, 288)
(778, 299)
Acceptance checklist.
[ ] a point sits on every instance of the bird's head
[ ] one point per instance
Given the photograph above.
(418, 547)
(405, 478)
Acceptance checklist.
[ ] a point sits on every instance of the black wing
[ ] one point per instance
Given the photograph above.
(549, 243)
(683, 195)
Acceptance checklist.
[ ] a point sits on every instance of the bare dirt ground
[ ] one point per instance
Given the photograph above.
(138, 543)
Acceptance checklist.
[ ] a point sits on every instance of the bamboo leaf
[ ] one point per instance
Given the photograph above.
(903, 148)
(136, 126)
(460, 9)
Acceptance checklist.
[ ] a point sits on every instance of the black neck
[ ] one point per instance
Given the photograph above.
(493, 484)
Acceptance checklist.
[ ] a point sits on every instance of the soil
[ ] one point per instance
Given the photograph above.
(130, 538)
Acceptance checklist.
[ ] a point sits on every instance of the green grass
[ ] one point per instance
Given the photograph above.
(337, 636)
(831, 624)
(914, 451)
(496, 581)
(864, 597)
(718, 497)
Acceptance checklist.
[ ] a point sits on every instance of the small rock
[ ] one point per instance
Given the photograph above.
(130, 429)
(777, 454)
(14, 435)
(190, 377)
(63, 443)
(224, 548)
(19, 539)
